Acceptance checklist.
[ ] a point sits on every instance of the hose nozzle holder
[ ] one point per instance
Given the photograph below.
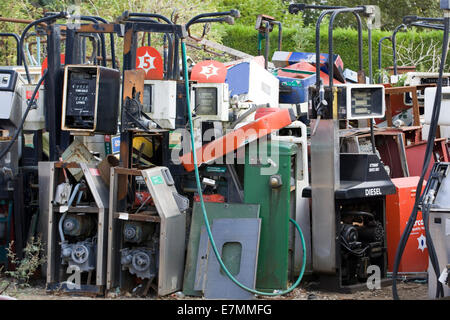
(235, 13)
(295, 8)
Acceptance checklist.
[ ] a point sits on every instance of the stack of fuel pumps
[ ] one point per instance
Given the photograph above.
(134, 236)
(348, 190)
(217, 214)
(141, 243)
(21, 126)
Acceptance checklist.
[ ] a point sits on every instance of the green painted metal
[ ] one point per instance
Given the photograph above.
(215, 211)
(273, 258)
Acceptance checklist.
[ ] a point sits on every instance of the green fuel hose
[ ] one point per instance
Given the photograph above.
(205, 216)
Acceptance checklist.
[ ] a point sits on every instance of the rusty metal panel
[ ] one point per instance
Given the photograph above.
(415, 154)
(133, 81)
(77, 152)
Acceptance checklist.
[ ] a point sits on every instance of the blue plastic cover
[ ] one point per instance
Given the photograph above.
(238, 78)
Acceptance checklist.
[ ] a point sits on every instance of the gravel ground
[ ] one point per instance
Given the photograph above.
(407, 291)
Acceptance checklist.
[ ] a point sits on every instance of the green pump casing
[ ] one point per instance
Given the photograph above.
(275, 206)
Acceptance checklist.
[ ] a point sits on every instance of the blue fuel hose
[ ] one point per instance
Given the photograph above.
(205, 216)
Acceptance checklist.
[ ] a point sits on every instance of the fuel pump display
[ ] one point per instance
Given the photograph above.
(366, 102)
(90, 99)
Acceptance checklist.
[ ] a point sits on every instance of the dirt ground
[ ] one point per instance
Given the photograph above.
(407, 291)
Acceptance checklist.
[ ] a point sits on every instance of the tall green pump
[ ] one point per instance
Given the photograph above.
(269, 181)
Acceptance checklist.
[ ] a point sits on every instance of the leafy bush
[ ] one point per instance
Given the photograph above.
(33, 258)
(422, 49)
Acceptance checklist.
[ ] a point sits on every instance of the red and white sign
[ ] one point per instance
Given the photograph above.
(209, 71)
(149, 60)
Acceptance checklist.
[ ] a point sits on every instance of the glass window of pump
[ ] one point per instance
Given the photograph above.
(206, 101)
(366, 101)
(148, 91)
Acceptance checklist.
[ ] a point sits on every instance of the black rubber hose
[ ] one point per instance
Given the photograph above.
(24, 33)
(428, 153)
(19, 129)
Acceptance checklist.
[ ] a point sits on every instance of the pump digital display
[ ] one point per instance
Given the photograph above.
(361, 102)
(81, 97)
(206, 101)
(366, 102)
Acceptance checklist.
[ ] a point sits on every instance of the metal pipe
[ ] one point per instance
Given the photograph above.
(60, 224)
(428, 25)
(228, 20)
(267, 46)
(296, 7)
(369, 36)
(176, 71)
(280, 33)
(150, 15)
(330, 39)
(16, 37)
(233, 13)
(102, 47)
(394, 46)
(410, 19)
(380, 57)
(111, 39)
(318, 23)
(147, 20)
(14, 20)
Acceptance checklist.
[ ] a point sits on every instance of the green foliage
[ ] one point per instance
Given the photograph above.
(421, 49)
(392, 12)
(181, 10)
(245, 38)
(20, 10)
(26, 268)
(250, 9)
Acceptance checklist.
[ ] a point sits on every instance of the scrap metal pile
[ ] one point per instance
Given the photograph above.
(227, 180)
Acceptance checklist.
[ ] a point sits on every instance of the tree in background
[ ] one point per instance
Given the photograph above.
(180, 10)
(392, 11)
(20, 10)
